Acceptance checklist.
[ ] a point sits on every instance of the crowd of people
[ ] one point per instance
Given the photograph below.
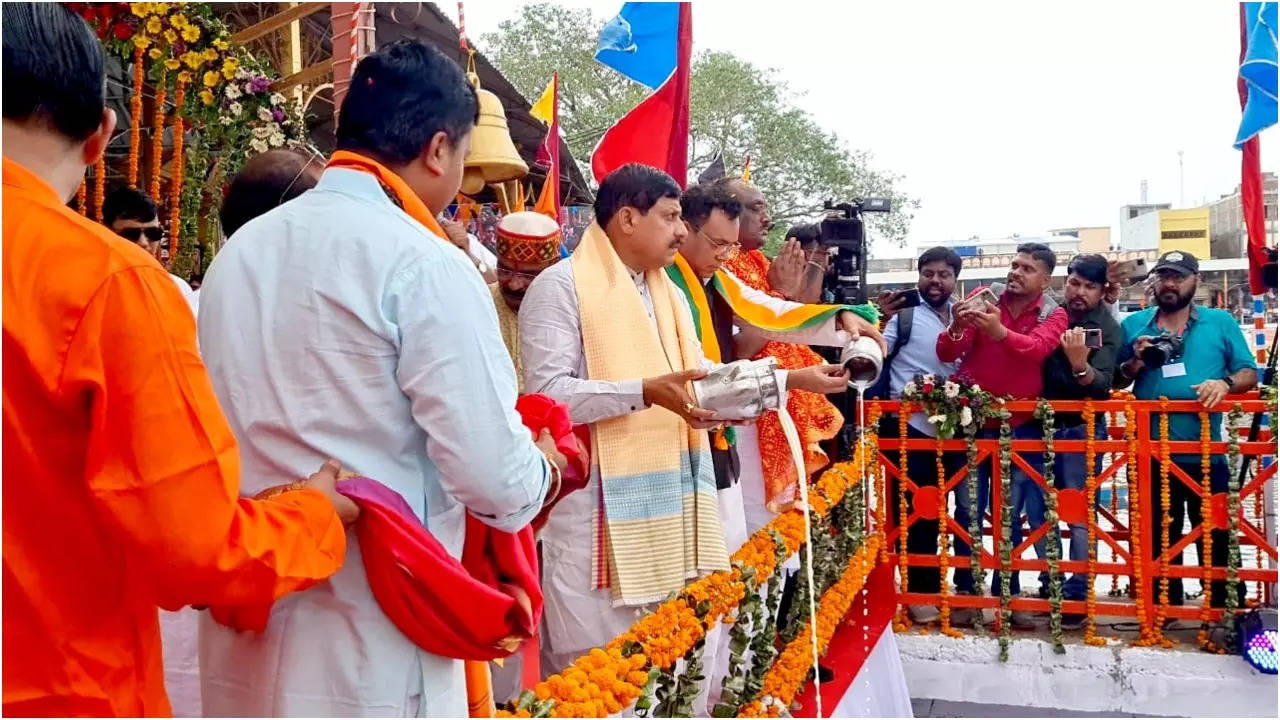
(1029, 345)
(163, 440)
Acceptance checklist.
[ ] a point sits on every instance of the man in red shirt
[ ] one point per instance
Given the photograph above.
(1003, 349)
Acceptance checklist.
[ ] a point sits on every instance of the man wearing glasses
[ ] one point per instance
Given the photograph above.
(131, 214)
(528, 243)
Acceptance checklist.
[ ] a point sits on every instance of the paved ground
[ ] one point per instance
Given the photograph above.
(950, 709)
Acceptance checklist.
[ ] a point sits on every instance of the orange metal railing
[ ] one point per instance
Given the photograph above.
(1112, 530)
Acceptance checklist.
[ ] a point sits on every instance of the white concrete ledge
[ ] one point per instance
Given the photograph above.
(1116, 678)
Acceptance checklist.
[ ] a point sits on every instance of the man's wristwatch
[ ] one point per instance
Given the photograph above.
(1081, 373)
(1227, 379)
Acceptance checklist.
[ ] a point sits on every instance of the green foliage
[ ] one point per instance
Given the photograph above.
(735, 108)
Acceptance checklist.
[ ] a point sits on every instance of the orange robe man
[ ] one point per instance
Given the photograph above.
(121, 475)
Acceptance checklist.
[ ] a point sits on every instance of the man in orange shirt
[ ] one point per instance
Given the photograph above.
(122, 477)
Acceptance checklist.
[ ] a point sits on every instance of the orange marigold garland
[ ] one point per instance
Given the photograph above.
(784, 679)
(82, 199)
(135, 117)
(1166, 521)
(903, 620)
(157, 141)
(1090, 488)
(1115, 512)
(175, 180)
(944, 542)
(99, 185)
(1136, 527)
(608, 679)
(1206, 528)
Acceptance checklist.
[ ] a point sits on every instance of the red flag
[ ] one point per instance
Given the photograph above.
(1251, 184)
(655, 132)
(549, 153)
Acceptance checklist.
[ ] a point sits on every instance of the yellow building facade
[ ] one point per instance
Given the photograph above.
(1185, 230)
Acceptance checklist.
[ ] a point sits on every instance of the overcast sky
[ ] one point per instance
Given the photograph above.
(1003, 117)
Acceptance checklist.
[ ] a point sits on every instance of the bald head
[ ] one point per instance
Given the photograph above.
(265, 182)
(753, 226)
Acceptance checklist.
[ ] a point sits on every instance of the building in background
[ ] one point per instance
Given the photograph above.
(1159, 228)
(1226, 220)
(1093, 239)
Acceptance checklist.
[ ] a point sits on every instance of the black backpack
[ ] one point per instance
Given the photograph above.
(880, 390)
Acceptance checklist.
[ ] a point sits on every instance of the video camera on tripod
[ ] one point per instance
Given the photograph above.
(844, 230)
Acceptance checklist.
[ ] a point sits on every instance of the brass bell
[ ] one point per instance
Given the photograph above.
(493, 157)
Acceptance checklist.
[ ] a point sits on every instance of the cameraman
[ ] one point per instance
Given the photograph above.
(1077, 370)
(1206, 359)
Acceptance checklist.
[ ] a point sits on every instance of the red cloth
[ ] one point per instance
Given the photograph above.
(477, 608)
(539, 412)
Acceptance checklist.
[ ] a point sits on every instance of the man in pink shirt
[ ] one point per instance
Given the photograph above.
(1003, 349)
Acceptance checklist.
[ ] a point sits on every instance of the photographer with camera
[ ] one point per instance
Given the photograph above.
(1182, 351)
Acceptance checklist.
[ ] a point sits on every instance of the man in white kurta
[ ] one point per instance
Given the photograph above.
(338, 326)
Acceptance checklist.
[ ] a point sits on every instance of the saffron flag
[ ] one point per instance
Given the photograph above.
(547, 109)
(650, 43)
(1257, 88)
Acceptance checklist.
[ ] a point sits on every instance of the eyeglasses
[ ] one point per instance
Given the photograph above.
(134, 234)
(719, 245)
(505, 274)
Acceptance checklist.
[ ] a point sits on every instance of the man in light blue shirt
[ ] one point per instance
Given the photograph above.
(340, 325)
(1208, 360)
(912, 335)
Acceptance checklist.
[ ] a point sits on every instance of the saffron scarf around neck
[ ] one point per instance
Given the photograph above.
(658, 522)
(395, 186)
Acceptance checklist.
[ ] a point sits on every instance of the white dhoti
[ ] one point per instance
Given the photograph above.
(180, 636)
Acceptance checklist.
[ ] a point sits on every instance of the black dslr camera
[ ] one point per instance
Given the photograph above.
(1163, 348)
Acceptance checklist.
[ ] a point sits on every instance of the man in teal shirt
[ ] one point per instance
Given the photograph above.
(1212, 362)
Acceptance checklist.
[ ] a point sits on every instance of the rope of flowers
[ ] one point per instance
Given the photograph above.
(1136, 528)
(784, 679)
(738, 686)
(82, 199)
(157, 139)
(1091, 504)
(1045, 413)
(1115, 512)
(135, 116)
(1166, 521)
(1006, 540)
(975, 515)
(99, 186)
(1233, 524)
(944, 542)
(903, 621)
(881, 482)
(1206, 529)
(616, 675)
(175, 182)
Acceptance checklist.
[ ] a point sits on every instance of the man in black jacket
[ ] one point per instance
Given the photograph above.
(1082, 367)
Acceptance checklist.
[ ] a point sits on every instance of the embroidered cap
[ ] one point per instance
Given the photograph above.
(528, 237)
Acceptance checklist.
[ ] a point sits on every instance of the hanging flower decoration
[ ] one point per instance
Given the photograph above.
(975, 515)
(903, 621)
(1233, 524)
(944, 542)
(1136, 527)
(1044, 412)
(953, 404)
(1166, 521)
(1206, 529)
(1091, 500)
(82, 194)
(185, 46)
(1115, 512)
(1006, 537)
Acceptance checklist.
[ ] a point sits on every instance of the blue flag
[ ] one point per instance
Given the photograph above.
(641, 42)
(1258, 70)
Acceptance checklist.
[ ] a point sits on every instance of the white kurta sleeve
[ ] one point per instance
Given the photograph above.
(553, 357)
(459, 379)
